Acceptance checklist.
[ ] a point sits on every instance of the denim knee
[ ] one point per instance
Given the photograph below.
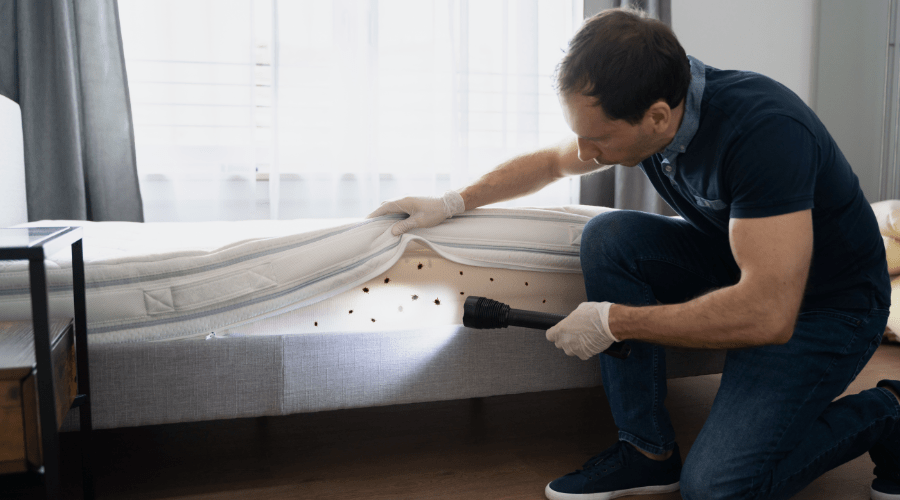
(602, 235)
(612, 243)
(608, 239)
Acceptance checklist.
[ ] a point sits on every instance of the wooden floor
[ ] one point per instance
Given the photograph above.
(505, 447)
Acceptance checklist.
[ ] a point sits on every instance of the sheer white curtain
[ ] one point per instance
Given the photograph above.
(256, 109)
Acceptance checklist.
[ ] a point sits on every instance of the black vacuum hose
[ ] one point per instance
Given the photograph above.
(481, 313)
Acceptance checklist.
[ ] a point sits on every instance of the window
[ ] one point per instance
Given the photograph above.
(257, 109)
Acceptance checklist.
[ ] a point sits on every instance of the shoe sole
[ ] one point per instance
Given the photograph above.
(644, 490)
(877, 495)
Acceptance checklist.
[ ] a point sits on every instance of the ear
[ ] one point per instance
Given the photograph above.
(658, 116)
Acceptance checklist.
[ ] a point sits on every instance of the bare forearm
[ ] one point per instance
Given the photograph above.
(526, 174)
(728, 318)
(520, 176)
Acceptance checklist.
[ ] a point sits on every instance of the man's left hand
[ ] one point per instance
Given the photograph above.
(584, 333)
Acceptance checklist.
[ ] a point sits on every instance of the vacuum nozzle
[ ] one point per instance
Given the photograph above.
(483, 313)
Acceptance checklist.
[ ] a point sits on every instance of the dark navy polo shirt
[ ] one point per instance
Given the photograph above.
(748, 147)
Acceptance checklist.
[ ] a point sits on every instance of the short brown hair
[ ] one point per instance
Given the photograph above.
(627, 61)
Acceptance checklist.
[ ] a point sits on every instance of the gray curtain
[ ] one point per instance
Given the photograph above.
(62, 61)
(625, 187)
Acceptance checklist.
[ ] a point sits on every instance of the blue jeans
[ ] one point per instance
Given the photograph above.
(774, 426)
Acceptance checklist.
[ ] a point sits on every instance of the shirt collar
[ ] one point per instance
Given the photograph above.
(691, 120)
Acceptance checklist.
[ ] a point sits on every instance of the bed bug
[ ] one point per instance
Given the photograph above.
(366, 290)
(351, 310)
(415, 297)
(492, 279)
(387, 280)
(526, 283)
(373, 320)
(316, 323)
(420, 265)
(460, 273)
(545, 301)
(437, 301)
(462, 293)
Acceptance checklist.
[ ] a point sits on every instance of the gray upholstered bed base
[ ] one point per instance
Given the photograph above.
(150, 383)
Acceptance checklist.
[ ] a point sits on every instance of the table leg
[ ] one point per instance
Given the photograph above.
(47, 396)
(81, 350)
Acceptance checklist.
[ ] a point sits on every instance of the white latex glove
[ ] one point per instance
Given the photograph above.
(584, 333)
(424, 211)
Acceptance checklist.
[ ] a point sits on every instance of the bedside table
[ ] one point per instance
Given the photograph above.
(20, 442)
(51, 355)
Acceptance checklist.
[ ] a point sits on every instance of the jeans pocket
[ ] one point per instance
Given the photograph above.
(850, 319)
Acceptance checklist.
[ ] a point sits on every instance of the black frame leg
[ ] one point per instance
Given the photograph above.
(81, 352)
(46, 394)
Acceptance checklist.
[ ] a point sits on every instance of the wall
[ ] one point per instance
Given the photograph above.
(12, 165)
(851, 73)
(772, 37)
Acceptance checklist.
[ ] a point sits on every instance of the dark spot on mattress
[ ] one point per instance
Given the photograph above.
(460, 273)
(317, 323)
(415, 297)
(373, 320)
(545, 301)
(366, 290)
(437, 301)
(387, 280)
(351, 311)
(526, 283)
(492, 279)
(420, 265)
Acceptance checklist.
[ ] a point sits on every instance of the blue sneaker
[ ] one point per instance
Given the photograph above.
(886, 455)
(619, 471)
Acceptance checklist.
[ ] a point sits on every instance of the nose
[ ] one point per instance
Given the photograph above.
(587, 150)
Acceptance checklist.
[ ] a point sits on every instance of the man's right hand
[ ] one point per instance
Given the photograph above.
(423, 211)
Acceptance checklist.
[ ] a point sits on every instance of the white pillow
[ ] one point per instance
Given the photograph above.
(893, 323)
(892, 248)
(887, 213)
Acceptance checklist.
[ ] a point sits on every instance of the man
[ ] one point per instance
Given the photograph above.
(778, 258)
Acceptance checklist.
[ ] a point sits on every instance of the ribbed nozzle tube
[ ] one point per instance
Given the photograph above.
(483, 313)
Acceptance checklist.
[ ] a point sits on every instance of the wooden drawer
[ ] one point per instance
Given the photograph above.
(20, 434)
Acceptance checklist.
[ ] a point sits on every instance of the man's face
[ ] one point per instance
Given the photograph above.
(607, 142)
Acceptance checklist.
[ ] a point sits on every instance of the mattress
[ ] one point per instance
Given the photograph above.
(205, 321)
(180, 281)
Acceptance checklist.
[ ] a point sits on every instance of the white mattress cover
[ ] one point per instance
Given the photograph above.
(163, 281)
